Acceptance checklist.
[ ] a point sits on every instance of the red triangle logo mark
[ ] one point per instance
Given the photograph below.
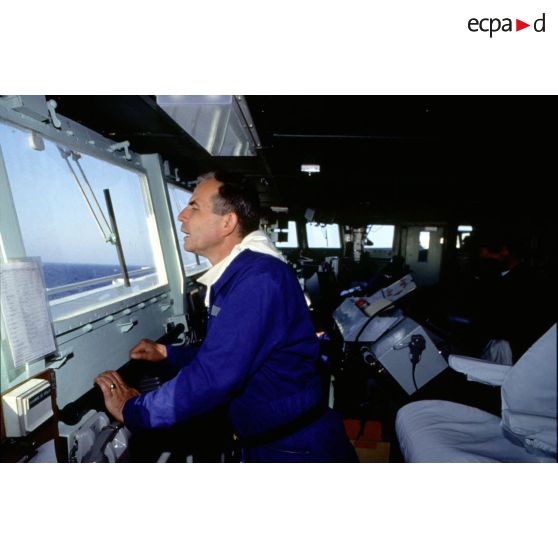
(519, 25)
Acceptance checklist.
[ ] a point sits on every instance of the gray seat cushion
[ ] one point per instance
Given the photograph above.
(446, 432)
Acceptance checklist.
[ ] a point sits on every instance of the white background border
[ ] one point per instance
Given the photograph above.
(293, 46)
(288, 47)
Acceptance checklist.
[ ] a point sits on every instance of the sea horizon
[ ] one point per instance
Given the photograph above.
(58, 274)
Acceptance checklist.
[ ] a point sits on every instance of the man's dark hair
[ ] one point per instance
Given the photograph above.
(237, 195)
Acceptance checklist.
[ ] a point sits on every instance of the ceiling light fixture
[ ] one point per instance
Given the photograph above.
(310, 169)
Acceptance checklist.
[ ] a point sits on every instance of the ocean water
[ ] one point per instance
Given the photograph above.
(58, 274)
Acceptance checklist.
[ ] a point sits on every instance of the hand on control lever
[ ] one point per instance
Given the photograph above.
(115, 392)
(149, 350)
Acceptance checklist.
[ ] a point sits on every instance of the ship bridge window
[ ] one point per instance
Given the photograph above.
(63, 217)
(287, 237)
(179, 199)
(379, 237)
(463, 231)
(323, 236)
(424, 246)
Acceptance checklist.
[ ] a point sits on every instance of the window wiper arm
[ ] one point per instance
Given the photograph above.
(112, 235)
(116, 236)
(107, 237)
(75, 157)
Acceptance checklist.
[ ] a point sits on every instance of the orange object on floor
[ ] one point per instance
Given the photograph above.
(368, 443)
(371, 433)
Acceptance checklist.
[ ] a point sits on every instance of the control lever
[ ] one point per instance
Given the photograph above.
(97, 453)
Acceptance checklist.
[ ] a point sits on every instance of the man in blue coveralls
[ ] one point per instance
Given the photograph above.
(258, 357)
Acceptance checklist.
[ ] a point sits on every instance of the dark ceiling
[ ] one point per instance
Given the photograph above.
(382, 158)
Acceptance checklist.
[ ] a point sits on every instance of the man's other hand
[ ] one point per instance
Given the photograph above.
(148, 350)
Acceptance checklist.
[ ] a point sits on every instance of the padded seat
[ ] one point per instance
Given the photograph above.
(446, 432)
(435, 431)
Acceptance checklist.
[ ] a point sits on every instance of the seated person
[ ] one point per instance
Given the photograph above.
(511, 298)
(507, 302)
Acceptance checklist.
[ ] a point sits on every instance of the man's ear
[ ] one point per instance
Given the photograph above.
(231, 223)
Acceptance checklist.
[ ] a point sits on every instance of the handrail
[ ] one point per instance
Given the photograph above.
(96, 281)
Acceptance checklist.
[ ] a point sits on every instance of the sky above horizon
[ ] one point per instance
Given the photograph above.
(56, 223)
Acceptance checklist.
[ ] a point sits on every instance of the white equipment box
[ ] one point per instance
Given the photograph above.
(26, 407)
(358, 321)
(366, 319)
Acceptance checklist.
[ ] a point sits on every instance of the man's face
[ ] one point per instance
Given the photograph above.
(202, 227)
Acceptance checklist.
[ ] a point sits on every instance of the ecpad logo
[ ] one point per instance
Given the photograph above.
(493, 25)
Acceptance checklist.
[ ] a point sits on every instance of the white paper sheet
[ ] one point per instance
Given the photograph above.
(25, 311)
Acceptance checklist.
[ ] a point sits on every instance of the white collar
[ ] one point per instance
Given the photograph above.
(257, 241)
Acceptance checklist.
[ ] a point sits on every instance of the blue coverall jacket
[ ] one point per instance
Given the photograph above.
(258, 358)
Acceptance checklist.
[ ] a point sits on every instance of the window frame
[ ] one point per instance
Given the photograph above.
(279, 245)
(340, 247)
(380, 252)
(83, 140)
(463, 232)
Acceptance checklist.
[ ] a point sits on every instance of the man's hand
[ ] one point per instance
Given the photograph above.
(148, 350)
(116, 392)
